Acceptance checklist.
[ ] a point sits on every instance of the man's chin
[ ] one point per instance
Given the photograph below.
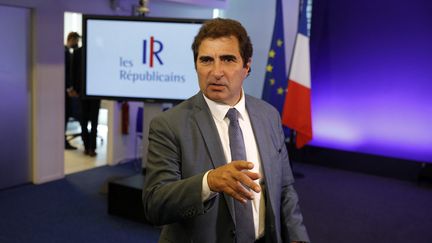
(216, 96)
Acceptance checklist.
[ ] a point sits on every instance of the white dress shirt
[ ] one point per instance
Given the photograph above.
(218, 112)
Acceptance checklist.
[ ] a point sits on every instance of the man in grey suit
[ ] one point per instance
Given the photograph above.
(192, 185)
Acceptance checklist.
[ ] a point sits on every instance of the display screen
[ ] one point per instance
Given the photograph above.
(139, 58)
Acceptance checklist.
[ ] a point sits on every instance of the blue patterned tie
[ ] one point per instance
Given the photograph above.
(245, 230)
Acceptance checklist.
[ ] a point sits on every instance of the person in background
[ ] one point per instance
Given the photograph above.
(71, 94)
(88, 108)
(89, 113)
(217, 169)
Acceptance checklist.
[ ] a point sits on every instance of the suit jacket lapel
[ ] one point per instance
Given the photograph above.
(261, 132)
(260, 129)
(207, 127)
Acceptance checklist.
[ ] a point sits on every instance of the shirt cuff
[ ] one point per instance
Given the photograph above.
(206, 193)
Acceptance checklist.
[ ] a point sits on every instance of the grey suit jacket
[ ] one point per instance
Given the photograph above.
(183, 145)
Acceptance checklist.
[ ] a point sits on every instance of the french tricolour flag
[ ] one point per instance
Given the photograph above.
(296, 112)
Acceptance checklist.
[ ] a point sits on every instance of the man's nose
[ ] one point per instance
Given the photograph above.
(217, 70)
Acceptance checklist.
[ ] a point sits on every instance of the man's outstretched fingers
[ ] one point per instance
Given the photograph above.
(253, 176)
(244, 178)
(235, 179)
(237, 196)
(242, 165)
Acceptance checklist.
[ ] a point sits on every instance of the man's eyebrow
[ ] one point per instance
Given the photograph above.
(204, 57)
(228, 56)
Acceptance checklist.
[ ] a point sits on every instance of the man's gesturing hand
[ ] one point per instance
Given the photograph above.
(234, 179)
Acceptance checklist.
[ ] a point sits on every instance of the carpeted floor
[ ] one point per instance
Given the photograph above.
(338, 206)
(73, 209)
(344, 206)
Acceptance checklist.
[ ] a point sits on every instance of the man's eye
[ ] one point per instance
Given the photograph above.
(205, 60)
(229, 59)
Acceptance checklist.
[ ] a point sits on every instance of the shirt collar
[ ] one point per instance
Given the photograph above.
(219, 110)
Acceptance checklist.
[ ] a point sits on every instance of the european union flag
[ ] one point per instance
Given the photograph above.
(275, 84)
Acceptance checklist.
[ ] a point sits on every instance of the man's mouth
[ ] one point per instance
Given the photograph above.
(216, 86)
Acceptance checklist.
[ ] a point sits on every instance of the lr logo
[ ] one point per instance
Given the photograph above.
(154, 52)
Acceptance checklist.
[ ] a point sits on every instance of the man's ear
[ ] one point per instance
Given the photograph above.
(248, 66)
(249, 63)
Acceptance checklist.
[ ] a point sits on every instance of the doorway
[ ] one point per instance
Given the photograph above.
(77, 160)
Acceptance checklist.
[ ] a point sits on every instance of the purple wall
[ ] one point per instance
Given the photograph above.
(371, 65)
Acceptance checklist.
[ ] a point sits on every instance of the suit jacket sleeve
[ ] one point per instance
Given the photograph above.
(168, 197)
(292, 226)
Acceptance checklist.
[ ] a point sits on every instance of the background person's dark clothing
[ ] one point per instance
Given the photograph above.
(72, 109)
(73, 72)
(68, 61)
(89, 108)
(76, 70)
(89, 113)
(85, 110)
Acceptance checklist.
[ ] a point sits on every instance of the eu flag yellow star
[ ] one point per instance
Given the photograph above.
(269, 68)
(279, 42)
(272, 54)
(280, 90)
(272, 81)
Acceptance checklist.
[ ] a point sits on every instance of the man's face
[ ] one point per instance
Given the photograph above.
(72, 42)
(220, 69)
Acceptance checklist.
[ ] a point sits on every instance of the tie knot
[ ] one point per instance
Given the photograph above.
(232, 114)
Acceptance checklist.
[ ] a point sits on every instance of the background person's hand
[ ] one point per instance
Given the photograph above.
(234, 179)
(72, 93)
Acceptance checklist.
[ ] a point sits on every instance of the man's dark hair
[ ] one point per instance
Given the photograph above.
(73, 35)
(217, 28)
